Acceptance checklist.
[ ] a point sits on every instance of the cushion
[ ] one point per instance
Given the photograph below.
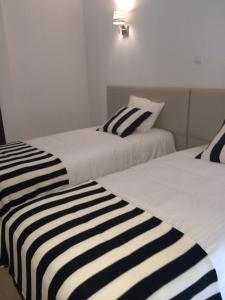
(126, 121)
(216, 150)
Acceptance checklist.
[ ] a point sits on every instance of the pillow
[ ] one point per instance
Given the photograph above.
(216, 150)
(149, 105)
(125, 121)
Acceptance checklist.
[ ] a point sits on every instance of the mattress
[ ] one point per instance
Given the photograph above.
(186, 193)
(88, 154)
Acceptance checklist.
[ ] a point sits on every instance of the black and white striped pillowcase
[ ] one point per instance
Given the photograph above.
(125, 121)
(216, 150)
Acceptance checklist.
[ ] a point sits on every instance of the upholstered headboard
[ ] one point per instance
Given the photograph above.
(192, 115)
(207, 113)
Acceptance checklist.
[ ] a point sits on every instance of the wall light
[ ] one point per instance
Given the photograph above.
(120, 19)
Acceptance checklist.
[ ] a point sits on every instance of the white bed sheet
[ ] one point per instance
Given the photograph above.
(188, 194)
(88, 154)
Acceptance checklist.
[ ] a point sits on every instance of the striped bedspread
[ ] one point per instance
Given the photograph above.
(86, 243)
(27, 172)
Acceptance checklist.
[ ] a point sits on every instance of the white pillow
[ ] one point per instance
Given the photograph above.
(154, 107)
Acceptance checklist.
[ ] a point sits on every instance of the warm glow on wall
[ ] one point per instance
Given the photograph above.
(125, 5)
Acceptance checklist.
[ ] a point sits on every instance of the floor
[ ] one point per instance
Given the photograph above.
(7, 288)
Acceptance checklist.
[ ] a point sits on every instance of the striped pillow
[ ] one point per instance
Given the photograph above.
(216, 150)
(125, 121)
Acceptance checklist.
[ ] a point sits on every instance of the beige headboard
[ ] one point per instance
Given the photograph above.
(207, 113)
(192, 115)
(174, 115)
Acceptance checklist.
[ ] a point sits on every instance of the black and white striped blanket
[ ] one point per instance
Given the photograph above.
(27, 172)
(86, 243)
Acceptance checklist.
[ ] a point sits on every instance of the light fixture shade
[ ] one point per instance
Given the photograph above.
(119, 18)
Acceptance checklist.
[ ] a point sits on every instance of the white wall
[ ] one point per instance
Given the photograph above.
(47, 74)
(99, 41)
(165, 37)
(42, 67)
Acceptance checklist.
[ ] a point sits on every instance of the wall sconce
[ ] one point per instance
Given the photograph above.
(120, 19)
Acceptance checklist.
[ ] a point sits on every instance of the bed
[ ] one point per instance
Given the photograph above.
(187, 193)
(102, 239)
(89, 154)
(36, 167)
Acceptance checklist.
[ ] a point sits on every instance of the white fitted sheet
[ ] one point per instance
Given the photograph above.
(88, 154)
(187, 193)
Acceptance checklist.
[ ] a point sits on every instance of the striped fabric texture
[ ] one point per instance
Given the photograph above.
(216, 150)
(125, 121)
(86, 243)
(27, 172)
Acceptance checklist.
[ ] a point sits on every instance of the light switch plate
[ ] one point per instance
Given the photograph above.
(197, 60)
